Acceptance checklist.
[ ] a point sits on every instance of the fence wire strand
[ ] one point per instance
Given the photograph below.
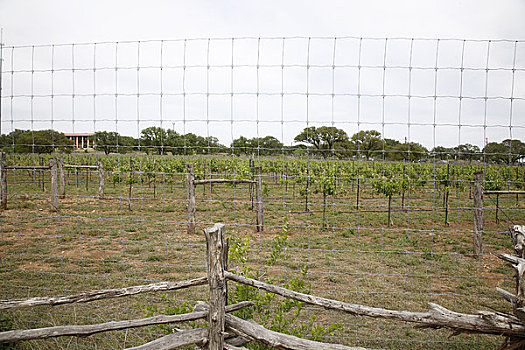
(367, 147)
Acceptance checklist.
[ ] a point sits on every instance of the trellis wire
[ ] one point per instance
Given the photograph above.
(200, 86)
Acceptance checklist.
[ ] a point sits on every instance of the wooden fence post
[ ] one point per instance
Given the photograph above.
(87, 178)
(62, 178)
(54, 184)
(497, 208)
(446, 194)
(259, 199)
(215, 269)
(191, 199)
(100, 179)
(358, 194)
(517, 233)
(76, 176)
(42, 175)
(225, 253)
(155, 178)
(3, 181)
(306, 204)
(252, 165)
(478, 213)
(131, 179)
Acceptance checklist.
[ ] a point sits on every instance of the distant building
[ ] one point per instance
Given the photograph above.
(81, 140)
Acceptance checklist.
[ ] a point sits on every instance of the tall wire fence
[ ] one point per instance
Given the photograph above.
(367, 149)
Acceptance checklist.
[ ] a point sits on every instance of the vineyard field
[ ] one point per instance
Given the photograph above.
(386, 234)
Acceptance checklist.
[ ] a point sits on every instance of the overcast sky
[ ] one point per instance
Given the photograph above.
(283, 107)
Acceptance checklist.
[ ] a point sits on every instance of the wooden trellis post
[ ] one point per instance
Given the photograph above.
(252, 165)
(259, 199)
(54, 184)
(191, 199)
(100, 179)
(478, 213)
(62, 178)
(217, 282)
(358, 194)
(3, 181)
(130, 188)
(497, 208)
(41, 175)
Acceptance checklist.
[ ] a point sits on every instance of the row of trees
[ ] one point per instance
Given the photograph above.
(322, 142)
(369, 144)
(41, 141)
(331, 141)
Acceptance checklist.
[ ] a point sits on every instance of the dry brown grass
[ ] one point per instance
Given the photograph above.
(92, 244)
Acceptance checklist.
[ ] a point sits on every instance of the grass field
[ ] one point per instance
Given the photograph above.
(356, 257)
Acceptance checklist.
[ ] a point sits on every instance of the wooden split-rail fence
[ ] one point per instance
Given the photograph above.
(225, 331)
(58, 183)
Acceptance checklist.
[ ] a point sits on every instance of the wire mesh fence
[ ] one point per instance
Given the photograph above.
(367, 149)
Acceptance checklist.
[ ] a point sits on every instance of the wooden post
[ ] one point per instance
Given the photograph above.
(191, 199)
(42, 175)
(54, 184)
(446, 194)
(358, 191)
(259, 199)
(76, 176)
(478, 213)
(517, 182)
(87, 178)
(225, 260)
(130, 188)
(215, 269)
(100, 179)
(155, 178)
(252, 164)
(447, 191)
(324, 225)
(62, 178)
(3, 181)
(335, 177)
(517, 233)
(307, 186)
(497, 208)
(390, 222)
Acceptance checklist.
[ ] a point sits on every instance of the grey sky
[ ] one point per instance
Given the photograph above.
(30, 22)
(471, 120)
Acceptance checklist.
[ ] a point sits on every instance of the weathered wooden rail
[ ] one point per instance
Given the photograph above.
(192, 206)
(58, 183)
(27, 167)
(225, 331)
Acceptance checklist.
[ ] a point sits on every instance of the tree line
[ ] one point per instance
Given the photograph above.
(322, 142)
